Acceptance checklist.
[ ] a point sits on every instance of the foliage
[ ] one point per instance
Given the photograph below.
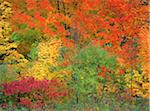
(85, 71)
(45, 60)
(74, 55)
(33, 93)
(115, 26)
(138, 82)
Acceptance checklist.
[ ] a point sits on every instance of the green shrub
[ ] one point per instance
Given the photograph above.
(85, 69)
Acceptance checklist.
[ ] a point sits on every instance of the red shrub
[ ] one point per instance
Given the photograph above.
(29, 91)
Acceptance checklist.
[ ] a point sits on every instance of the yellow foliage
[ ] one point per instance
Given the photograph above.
(6, 46)
(138, 82)
(49, 51)
(12, 58)
(144, 50)
(47, 55)
(6, 9)
(4, 30)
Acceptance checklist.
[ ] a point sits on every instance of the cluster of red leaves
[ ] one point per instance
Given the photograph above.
(38, 91)
(109, 23)
(40, 15)
(24, 86)
(130, 53)
(103, 72)
(25, 101)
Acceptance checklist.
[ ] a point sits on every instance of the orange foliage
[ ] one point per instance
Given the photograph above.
(113, 22)
(50, 23)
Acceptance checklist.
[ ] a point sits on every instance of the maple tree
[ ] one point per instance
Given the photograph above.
(114, 24)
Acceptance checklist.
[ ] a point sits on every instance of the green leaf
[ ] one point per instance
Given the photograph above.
(22, 26)
(58, 107)
(15, 37)
(93, 12)
(3, 70)
(33, 55)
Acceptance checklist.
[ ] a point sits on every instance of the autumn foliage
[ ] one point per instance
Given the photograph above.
(70, 54)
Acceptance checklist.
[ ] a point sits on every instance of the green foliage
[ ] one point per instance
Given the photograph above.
(22, 26)
(93, 12)
(33, 55)
(27, 42)
(29, 35)
(7, 74)
(15, 37)
(3, 70)
(85, 73)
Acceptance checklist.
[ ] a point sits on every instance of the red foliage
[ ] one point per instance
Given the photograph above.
(40, 15)
(122, 72)
(44, 4)
(30, 4)
(38, 91)
(109, 23)
(25, 101)
(106, 23)
(103, 72)
(21, 18)
(24, 86)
